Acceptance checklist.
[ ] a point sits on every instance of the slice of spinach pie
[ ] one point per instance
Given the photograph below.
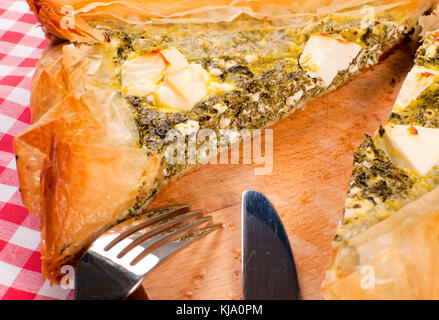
(386, 243)
(400, 163)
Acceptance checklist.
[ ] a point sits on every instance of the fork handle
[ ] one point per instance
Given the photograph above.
(138, 294)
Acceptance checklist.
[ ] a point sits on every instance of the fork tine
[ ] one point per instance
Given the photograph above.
(158, 229)
(156, 257)
(174, 246)
(164, 238)
(118, 260)
(139, 222)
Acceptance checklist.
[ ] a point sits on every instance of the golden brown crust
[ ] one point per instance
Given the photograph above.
(87, 188)
(53, 15)
(76, 172)
(69, 19)
(395, 259)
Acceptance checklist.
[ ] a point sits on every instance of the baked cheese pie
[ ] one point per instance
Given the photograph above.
(104, 100)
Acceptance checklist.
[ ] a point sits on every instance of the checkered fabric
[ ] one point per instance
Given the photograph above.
(21, 45)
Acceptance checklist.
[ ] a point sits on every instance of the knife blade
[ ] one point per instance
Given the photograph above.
(269, 271)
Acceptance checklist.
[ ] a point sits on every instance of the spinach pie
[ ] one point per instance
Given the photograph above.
(121, 74)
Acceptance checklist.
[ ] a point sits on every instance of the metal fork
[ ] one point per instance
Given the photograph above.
(117, 262)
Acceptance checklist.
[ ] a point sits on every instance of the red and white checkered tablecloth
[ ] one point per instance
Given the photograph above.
(21, 45)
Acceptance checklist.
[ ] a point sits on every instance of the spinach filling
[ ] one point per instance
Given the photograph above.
(428, 54)
(266, 88)
(371, 163)
(423, 111)
(263, 87)
(259, 99)
(377, 186)
(375, 180)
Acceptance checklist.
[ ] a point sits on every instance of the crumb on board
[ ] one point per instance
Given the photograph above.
(325, 176)
(305, 199)
(237, 254)
(201, 274)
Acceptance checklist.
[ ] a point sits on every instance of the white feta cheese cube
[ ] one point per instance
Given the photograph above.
(326, 55)
(412, 147)
(140, 75)
(417, 80)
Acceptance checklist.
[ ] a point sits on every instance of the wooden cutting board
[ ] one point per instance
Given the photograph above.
(312, 165)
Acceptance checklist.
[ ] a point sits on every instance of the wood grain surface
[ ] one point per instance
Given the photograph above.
(312, 165)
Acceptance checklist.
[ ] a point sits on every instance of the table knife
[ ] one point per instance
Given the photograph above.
(269, 271)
